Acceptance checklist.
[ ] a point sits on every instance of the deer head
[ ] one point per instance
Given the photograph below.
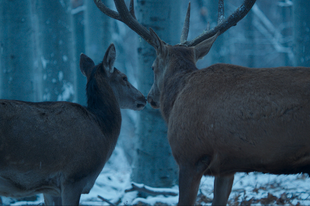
(127, 96)
(196, 48)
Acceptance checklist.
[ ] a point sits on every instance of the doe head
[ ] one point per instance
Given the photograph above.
(127, 96)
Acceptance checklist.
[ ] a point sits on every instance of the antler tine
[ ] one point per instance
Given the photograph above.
(232, 20)
(126, 17)
(132, 9)
(107, 11)
(185, 29)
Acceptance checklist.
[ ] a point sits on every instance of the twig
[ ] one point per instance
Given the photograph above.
(142, 188)
(105, 200)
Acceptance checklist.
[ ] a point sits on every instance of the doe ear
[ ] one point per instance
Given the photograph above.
(109, 59)
(204, 47)
(157, 42)
(86, 65)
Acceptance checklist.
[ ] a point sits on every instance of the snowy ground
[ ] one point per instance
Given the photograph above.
(252, 188)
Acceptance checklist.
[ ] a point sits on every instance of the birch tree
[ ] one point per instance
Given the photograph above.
(55, 49)
(301, 32)
(98, 30)
(19, 73)
(153, 163)
(77, 12)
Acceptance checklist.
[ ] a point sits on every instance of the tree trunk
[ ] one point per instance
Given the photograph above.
(250, 44)
(301, 32)
(98, 30)
(286, 20)
(153, 163)
(78, 11)
(19, 73)
(55, 52)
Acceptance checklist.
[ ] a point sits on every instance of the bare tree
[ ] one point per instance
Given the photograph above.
(19, 73)
(153, 164)
(98, 31)
(77, 12)
(301, 31)
(55, 49)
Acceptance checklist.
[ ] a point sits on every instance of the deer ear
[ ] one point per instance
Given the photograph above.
(157, 42)
(86, 65)
(109, 59)
(204, 47)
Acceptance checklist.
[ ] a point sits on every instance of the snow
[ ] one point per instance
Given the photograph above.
(65, 58)
(78, 10)
(60, 76)
(115, 179)
(44, 62)
(285, 3)
(67, 92)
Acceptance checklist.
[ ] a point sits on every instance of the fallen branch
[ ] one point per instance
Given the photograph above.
(149, 190)
(105, 200)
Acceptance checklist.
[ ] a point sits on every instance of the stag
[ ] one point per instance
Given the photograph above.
(225, 118)
(59, 148)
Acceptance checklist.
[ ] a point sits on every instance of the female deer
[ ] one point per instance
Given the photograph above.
(59, 148)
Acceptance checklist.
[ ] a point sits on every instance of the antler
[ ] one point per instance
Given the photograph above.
(222, 26)
(186, 24)
(127, 17)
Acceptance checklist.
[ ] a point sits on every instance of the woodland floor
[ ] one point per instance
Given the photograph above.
(248, 189)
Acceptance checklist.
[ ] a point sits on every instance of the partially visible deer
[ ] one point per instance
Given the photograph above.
(225, 118)
(59, 148)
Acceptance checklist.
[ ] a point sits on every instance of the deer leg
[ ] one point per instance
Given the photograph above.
(51, 200)
(222, 189)
(189, 180)
(71, 193)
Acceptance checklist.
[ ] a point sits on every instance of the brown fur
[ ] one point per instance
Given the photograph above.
(226, 119)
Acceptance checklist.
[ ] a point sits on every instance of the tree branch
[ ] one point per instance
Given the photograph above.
(105, 200)
(149, 190)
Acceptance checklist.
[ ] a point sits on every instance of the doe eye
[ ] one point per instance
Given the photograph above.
(125, 79)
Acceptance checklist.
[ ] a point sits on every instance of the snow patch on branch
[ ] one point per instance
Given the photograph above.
(152, 190)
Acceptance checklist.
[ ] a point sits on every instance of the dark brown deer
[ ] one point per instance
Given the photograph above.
(59, 148)
(225, 118)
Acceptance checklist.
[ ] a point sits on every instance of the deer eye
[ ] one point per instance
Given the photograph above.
(125, 79)
(152, 68)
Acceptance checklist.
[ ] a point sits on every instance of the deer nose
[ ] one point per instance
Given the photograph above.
(141, 103)
(152, 102)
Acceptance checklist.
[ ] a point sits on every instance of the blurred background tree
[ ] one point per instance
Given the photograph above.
(40, 44)
(55, 49)
(301, 22)
(153, 161)
(18, 52)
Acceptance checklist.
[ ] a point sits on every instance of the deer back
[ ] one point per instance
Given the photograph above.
(233, 111)
(59, 148)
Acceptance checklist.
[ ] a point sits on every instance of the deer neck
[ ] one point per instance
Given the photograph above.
(174, 81)
(102, 103)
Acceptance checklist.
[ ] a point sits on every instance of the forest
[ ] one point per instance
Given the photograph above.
(40, 47)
